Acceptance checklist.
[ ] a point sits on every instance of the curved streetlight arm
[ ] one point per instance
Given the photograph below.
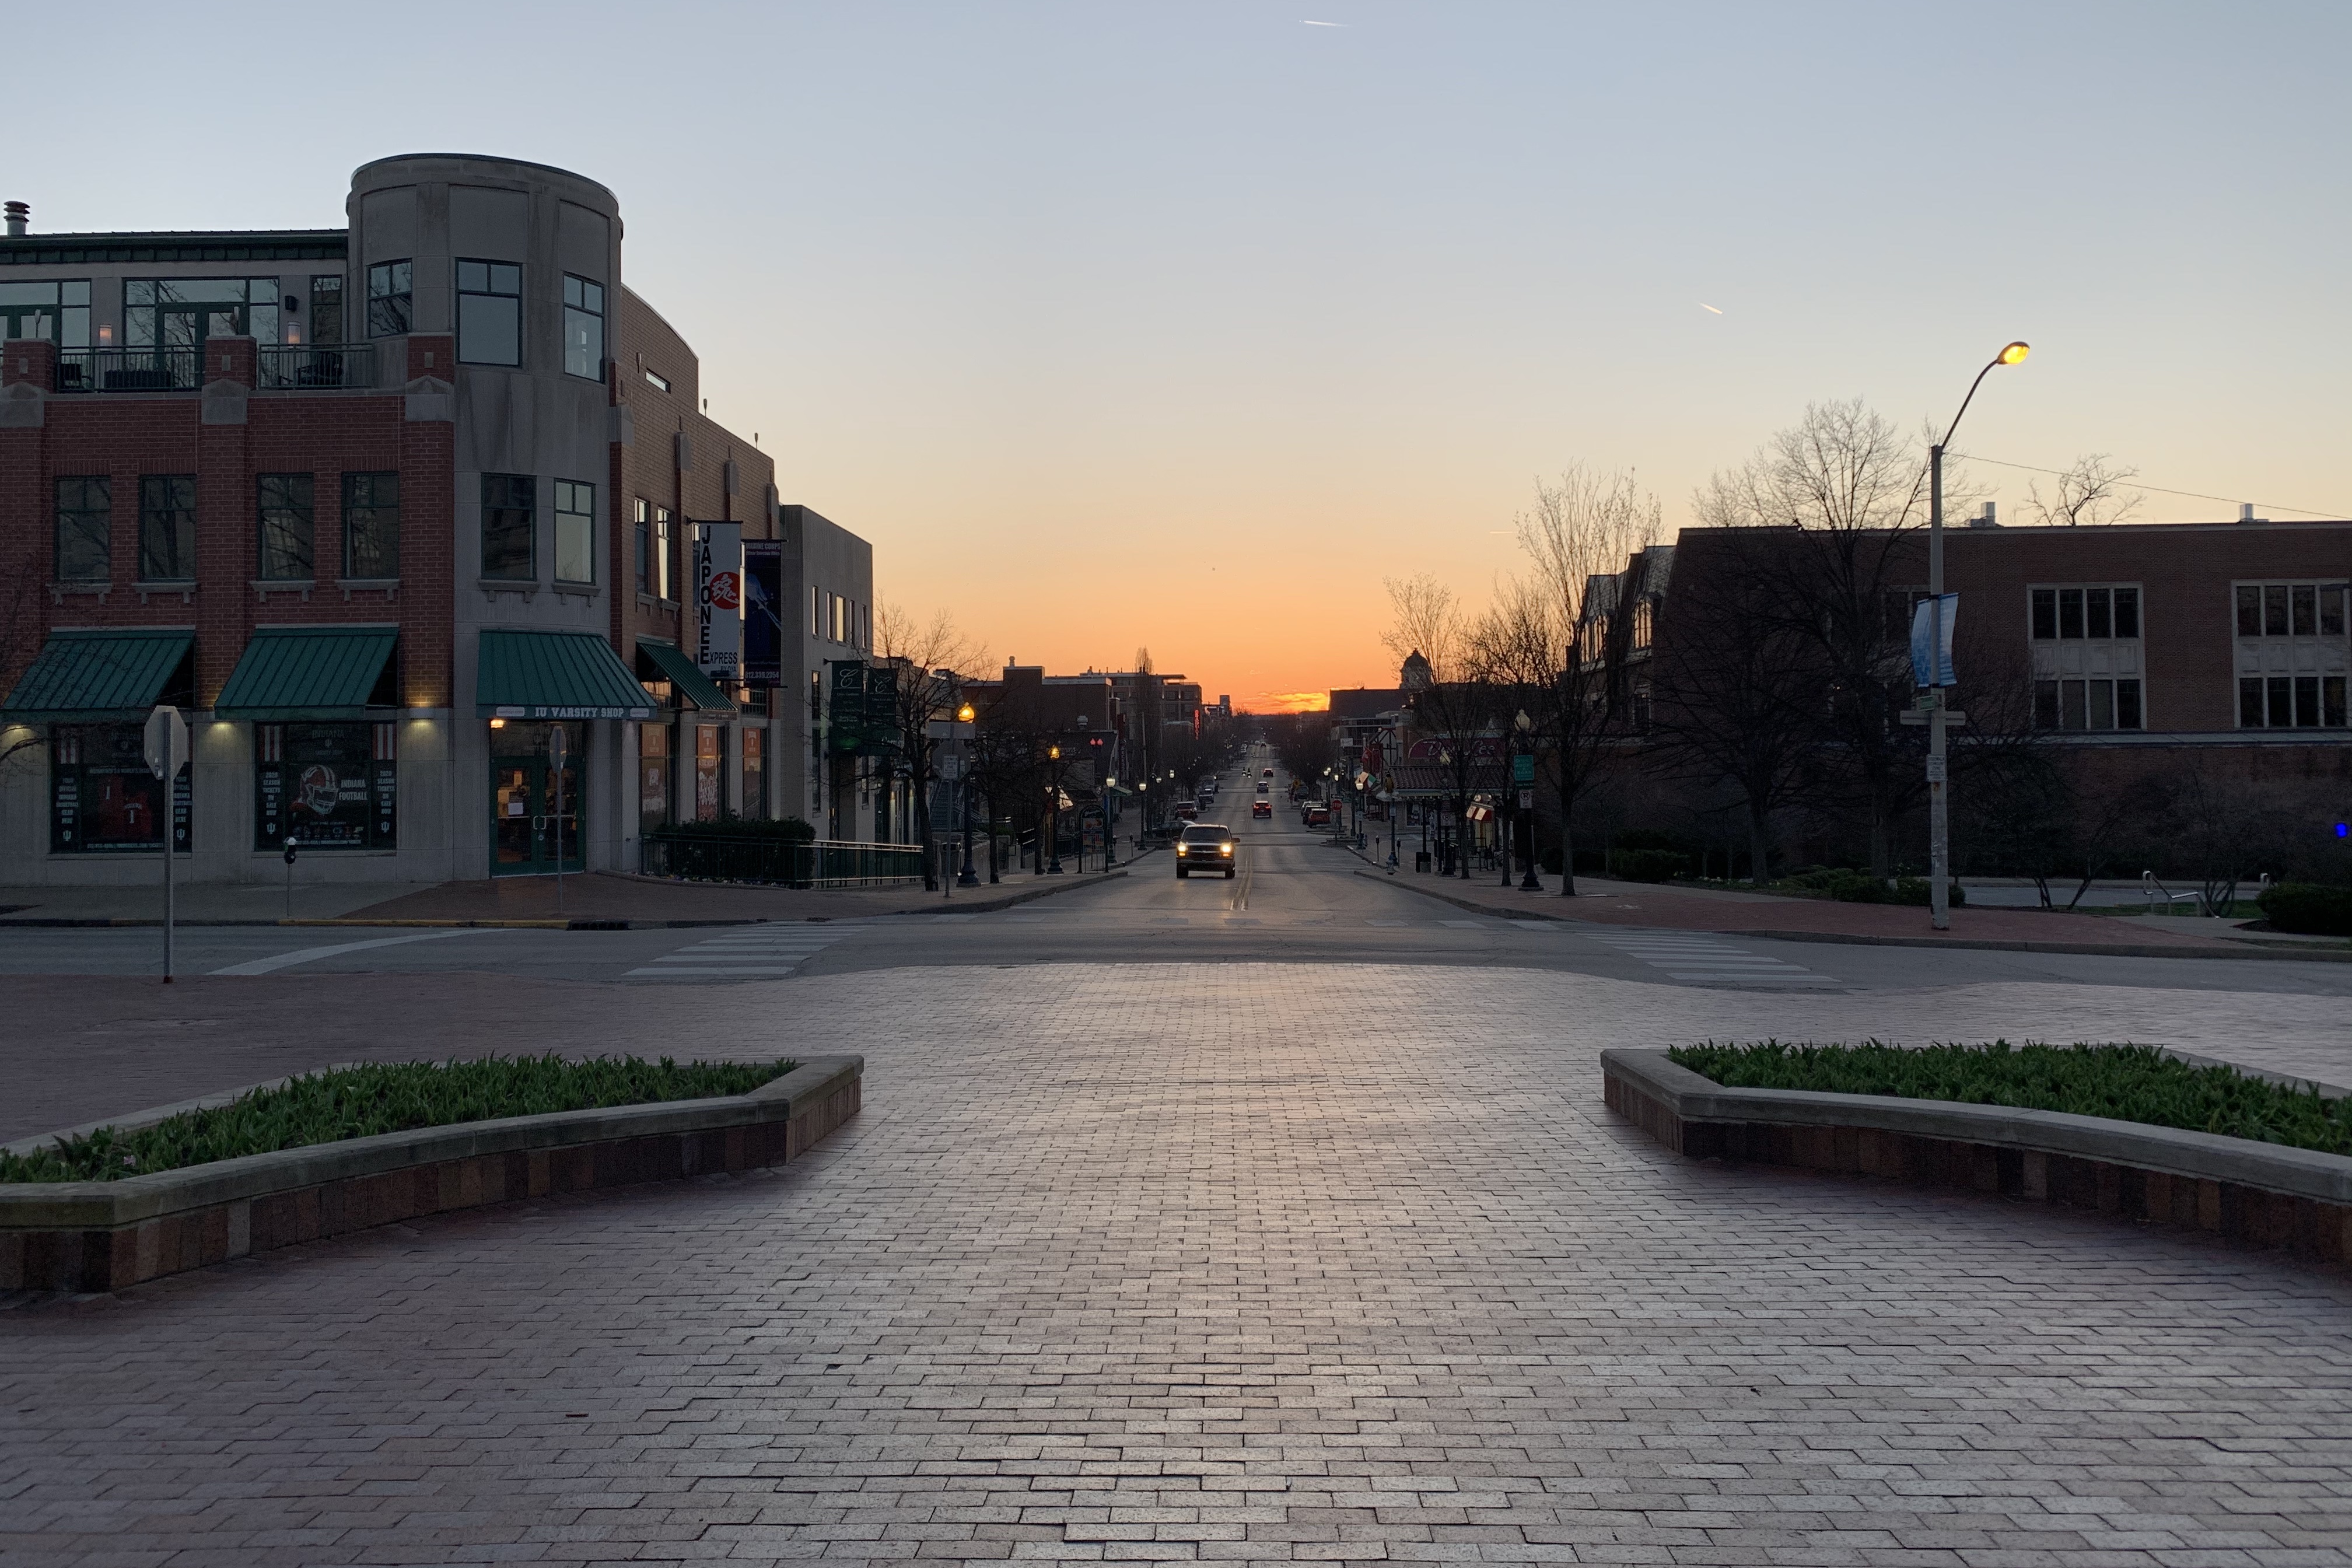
(1988, 369)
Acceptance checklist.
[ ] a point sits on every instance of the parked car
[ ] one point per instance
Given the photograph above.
(1207, 847)
(1317, 815)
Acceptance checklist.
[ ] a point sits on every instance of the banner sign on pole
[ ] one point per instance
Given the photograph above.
(1923, 632)
(881, 709)
(846, 708)
(718, 598)
(763, 611)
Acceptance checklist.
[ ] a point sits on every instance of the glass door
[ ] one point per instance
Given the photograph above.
(525, 828)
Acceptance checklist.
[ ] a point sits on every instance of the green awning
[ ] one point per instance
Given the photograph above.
(308, 672)
(555, 675)
(93, 676)
(681, 672)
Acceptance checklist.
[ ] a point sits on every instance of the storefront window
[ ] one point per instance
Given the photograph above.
(710, 752)
(755, 773)
(102, 796)
(325, 786)
(652, 776)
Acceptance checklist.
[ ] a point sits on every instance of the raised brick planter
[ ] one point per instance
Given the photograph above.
(2261, 1195)
(103, 1236)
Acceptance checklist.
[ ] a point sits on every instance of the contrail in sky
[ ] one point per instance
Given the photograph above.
(1322, 23)
(1705, 306)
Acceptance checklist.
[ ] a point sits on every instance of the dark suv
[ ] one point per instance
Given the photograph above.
(1205, 847)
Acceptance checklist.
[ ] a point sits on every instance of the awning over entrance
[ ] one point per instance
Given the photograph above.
(682, 673)
(555, 675)
(89, 677)
(309, 672)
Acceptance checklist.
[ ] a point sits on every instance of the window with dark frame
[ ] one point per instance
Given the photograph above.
(327, 786)
(509, 502)
(665, 568)
(583, 328)
(167, 527)
(644, 546)
(372, 527)
(2314, 611)
(2093, 614)
(575, 532)
(489, 312)
(390, 299)
(286, 535)
(327, 308)
(85, 529)
(2091, 704)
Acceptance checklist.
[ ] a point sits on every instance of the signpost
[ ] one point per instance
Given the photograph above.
(558, 747)
(167, 753)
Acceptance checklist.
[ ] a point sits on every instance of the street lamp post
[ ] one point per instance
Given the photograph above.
(1054, 811)
(967, 878)
(1939, 849)
(1526, 728)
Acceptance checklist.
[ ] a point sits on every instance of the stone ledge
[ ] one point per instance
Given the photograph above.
(2262, 1193)
(103, 1236)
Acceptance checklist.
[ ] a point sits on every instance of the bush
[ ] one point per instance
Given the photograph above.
(2310, 908)
(1851, 886)
(2128, 1083)
(779, 829)
(1647, 864)
(391, 1097)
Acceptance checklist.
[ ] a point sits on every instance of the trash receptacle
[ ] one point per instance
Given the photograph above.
(1421, 861)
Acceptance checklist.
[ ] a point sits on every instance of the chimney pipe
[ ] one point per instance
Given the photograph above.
(2246, 512)
(19, 214)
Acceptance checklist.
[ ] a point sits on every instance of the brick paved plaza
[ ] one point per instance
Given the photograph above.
(1246, 1262)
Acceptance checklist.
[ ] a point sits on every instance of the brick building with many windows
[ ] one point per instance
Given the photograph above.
(386, 510)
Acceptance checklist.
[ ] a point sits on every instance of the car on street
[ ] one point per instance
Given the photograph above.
(1206, 848)
(1261, 806)
(1317, 814)
(1186, 810)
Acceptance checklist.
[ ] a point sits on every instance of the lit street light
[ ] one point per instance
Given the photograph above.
(1939, 849)
(965, 715)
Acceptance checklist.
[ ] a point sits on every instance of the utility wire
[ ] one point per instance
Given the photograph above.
(2193, 495)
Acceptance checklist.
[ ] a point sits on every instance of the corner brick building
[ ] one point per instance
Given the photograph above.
(399, 514)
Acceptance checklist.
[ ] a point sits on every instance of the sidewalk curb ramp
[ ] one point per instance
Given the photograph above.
(929, 906)
(87, 1236)
(2084, 948)
(2256, 1195)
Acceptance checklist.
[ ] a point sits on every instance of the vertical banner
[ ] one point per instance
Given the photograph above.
(1935, 669)
(719, 598)
(846, 708)
(763, 612)
(882, 709)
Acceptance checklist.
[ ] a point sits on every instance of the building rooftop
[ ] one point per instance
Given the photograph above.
(176, 245)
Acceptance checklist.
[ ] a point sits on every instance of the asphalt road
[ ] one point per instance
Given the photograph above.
(1296, 898)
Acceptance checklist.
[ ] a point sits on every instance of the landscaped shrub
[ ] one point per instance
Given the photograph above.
(1647, 864)
(781, 829)
(1913, 890)
(390, 1096)
(2127, 1082)
(2308, 906)
(1851, 886)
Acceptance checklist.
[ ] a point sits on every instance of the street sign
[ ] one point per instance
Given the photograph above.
(558, 747)
(167, 742)
(1523, 768)
(1527, 800)
(1935, 770)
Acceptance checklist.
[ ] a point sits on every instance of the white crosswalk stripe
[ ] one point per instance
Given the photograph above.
(1709, 960)
(744, 953)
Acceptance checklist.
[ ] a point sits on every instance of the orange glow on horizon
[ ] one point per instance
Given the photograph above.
(1289, 702)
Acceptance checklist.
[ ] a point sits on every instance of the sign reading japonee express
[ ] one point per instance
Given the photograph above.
(719, 599)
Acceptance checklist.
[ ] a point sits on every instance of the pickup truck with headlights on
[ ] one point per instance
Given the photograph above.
(1206, 848)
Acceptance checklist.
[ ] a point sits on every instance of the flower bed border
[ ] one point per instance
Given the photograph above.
(104, 1236)
(2260, 1194)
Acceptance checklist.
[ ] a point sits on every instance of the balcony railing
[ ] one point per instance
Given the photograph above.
(824, 863)
(314, 365)
(129, 370)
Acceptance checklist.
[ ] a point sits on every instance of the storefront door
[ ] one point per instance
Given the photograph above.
(524, 825)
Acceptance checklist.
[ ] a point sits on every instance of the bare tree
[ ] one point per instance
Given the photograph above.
(2093, 490)
(933, 660)
(1583, 527)
(1458, 707)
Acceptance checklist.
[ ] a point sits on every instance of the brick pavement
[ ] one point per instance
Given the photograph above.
(1250, 1263)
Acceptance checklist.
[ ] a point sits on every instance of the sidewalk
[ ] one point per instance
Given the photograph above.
(594, 899)
(1774, 915)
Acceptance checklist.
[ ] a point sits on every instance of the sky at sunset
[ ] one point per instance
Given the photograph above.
(1182, 325)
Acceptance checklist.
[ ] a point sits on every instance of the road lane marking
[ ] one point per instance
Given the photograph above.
(1709, 960)
(737, 954)
(312, 954)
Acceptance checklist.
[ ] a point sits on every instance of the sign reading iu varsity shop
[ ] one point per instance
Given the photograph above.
(719, 596)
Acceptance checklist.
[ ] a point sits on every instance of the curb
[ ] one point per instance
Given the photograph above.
(2079, 949)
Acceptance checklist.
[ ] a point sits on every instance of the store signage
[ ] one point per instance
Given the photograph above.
(763, 612)
(846, 708)
(719, 599)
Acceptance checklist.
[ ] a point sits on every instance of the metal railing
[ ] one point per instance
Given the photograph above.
(819, 863)
(129, 370)
(313, 366)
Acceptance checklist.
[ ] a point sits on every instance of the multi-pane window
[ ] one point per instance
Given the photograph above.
(489, 312)
(583, 328)
(644, 539)
(390, 299)
(2088, 704)
(664, 554)
(327, 308)
(575, 532)
(509, 504)
(85, 529)
(288, 536)
(184, 312)
(57, 313)
(370, 526)
(2071, 615)
(2292, 661)
(167, 527)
